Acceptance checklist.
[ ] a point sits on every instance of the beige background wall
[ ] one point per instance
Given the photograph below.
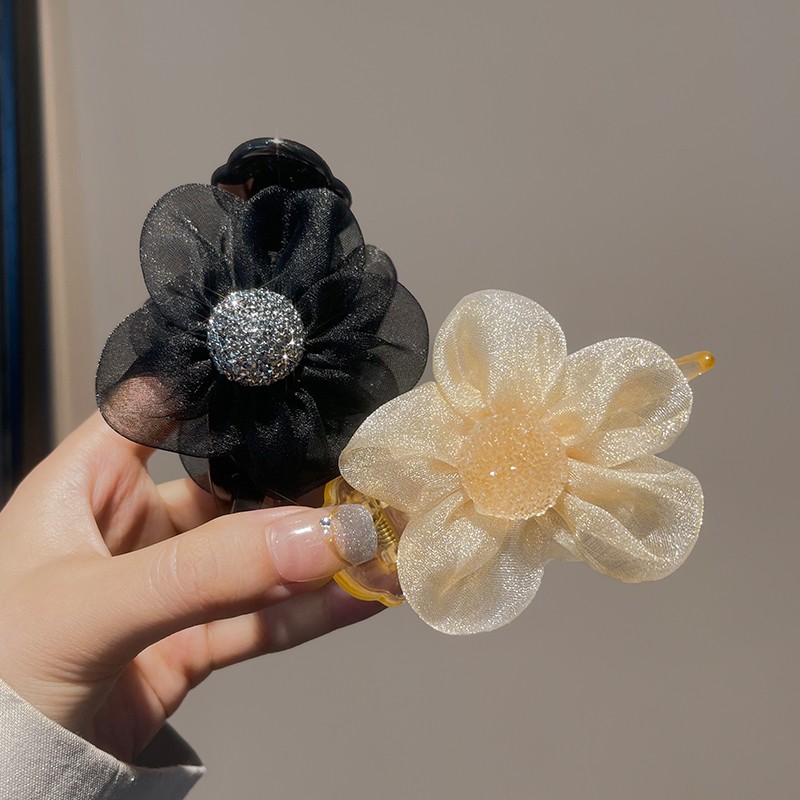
(633, 166)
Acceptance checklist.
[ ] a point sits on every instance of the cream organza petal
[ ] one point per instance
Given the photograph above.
(556, 552)
(637, 522)
(618, 400)
(466, 573)
(498, 349)
(403, 453)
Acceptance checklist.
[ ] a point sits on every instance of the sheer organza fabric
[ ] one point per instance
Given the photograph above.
(613, 406)
(365, 337)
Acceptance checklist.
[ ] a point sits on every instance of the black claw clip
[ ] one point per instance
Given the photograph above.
(259, 163)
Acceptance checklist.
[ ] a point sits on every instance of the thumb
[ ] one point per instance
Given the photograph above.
(227, 567)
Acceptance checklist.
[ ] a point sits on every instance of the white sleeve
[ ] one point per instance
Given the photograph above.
(40, 760)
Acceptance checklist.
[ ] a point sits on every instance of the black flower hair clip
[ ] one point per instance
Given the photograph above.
(271, 331)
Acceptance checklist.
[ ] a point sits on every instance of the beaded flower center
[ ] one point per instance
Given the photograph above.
(513, 466)
(255, 337)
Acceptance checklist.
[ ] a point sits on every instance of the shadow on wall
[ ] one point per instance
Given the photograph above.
(73, 357)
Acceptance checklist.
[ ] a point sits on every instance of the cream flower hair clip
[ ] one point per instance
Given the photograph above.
(518, 454)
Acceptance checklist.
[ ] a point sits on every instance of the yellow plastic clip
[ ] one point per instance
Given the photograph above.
(696, 364)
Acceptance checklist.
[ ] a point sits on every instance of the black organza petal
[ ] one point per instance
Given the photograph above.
(303, 236)
(198, 470)
(369, 327)
(185, 251)
(328, 302)
(355, 298)
(285, 451)
(376, 261)
(153, 385)
(345, 399)
(365, 339)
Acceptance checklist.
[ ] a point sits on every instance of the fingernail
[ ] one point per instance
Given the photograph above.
(317, 542)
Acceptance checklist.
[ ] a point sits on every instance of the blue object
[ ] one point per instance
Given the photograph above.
(10, 296)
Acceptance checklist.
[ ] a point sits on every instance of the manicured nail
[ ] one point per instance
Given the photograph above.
(317, 542)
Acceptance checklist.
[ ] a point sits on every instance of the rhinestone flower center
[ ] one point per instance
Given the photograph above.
(513, 466)
(255, 337)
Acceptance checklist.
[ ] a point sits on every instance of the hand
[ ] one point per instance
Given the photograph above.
(108, 618)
